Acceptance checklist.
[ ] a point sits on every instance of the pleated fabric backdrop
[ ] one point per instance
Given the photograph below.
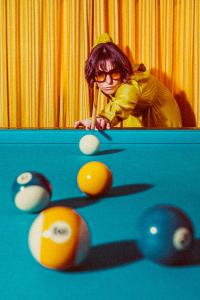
(44, 45)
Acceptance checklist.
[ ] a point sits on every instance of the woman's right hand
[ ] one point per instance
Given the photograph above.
(87, 123)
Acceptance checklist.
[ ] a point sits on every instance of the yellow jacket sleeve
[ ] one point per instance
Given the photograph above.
(120, 107)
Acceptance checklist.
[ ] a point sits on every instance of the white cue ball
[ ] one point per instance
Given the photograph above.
(89, 144)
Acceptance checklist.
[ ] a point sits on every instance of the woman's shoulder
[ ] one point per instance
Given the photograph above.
(134, 81)
(137, 83)
(129, 88)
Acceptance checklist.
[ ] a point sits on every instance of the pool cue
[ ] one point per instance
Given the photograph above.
(94, 107)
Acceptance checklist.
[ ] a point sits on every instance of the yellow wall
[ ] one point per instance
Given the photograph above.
(44, 45)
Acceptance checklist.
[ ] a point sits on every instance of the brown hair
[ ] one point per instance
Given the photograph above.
(98, 57)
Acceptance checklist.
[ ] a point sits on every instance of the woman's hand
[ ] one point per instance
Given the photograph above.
(100, 124)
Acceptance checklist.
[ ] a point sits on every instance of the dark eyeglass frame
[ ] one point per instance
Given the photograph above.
(110, 73)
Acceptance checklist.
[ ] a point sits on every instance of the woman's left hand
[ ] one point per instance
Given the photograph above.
(100, 124)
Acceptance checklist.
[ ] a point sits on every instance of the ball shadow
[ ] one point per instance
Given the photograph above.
(110, 255)
(191, 257)
(128, 189)
(124, 190)
(105, 152)
(76, 202)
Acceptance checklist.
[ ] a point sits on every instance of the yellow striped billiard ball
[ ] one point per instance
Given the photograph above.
(59, 238)
(94, 178)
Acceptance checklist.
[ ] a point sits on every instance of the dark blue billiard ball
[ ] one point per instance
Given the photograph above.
(165, 234)
(31, 191)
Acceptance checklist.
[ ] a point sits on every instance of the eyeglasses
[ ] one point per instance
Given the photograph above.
(100, 76)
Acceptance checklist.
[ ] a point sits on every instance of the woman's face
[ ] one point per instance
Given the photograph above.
(112, 80)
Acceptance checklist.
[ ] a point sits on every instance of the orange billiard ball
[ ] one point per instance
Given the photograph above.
(94, 178)
(59, 238)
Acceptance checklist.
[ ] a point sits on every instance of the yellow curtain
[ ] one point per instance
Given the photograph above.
(44, 45)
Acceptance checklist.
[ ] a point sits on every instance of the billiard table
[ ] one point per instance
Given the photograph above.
(149, 167)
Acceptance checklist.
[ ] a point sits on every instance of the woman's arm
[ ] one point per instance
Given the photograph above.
(120, 107)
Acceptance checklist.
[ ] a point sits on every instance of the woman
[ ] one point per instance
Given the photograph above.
(132, 93)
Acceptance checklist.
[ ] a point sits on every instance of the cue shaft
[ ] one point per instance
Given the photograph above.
(94, 107)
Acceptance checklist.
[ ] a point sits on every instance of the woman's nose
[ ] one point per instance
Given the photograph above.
(108, 79)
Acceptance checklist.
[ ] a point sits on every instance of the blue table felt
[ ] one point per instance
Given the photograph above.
(149, 167)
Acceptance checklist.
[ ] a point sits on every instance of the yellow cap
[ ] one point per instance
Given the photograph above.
(103, 38)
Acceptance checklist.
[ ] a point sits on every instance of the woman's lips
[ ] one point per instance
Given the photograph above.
(109, 88)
